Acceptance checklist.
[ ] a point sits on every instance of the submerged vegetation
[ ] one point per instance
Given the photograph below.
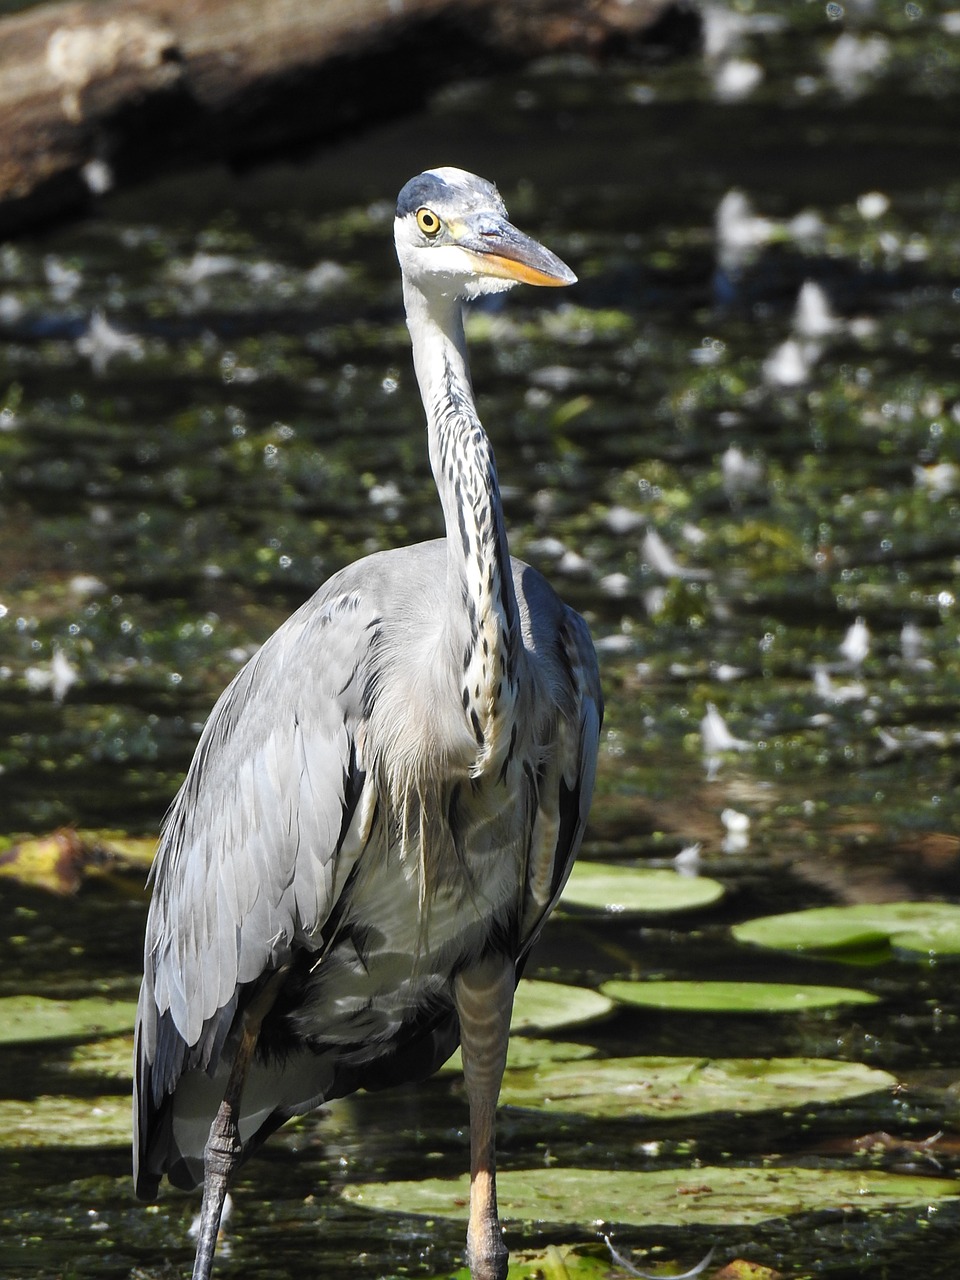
(735, 448)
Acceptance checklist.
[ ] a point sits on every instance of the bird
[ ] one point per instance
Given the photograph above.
(384, 803)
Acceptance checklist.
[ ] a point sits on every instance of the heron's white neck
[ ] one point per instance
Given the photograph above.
(480, 592)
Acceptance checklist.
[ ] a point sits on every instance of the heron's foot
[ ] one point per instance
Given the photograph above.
(487, 1255)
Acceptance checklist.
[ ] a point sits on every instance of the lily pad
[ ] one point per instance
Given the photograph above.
(65, 1122)
(742, 1269)
(734, 997)
(545, 1006)
(111, 1058)
(666, 1088)
(25, 1018)
(523, 1052)
(61, 860)
(54, 862)
(552, 1263)
(909, 928)
(662, 1197)
(601, 886)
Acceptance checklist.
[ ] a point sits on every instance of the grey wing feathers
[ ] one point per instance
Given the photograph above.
(253, 834)
(567, 790)
(579, 764)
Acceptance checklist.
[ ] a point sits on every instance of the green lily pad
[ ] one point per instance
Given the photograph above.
(663, 1197)
(545, 1006)
(65, 1122)
(61, 860)
(523, 1052)
(601, 886)
(24, 1018)
(909, 928)
(667, 1088)
(552, 1263)
(111, 1058)
(734, 997)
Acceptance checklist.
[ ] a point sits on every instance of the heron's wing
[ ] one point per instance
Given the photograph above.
(568, 774)
(261, 836)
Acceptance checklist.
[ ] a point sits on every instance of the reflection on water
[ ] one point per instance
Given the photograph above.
(734, 446)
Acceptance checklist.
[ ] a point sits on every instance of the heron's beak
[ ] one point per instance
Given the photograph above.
(501, 250)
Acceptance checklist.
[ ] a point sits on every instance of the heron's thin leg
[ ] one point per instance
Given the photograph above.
(224, 1145)
(484, 997)
(220, 1156)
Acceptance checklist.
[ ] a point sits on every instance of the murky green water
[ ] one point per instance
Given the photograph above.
(721, 507)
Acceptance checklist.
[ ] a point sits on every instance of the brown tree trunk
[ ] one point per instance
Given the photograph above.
(95, 89)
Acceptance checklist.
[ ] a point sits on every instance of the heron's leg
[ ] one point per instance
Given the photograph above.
(484, 998)
(224, 1145)
(221, 1155)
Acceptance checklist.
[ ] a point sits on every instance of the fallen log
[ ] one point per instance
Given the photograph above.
(97, 91)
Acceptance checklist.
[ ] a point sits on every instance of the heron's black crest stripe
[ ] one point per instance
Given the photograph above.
(424, 189)
(432, 188)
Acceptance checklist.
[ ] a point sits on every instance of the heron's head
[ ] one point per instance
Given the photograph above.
(453, 238)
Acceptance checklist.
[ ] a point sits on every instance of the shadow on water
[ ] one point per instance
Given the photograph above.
(206, 406)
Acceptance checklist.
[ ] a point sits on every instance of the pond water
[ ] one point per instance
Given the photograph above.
(733, 446)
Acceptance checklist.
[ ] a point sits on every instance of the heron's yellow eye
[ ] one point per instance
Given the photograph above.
(428, 222)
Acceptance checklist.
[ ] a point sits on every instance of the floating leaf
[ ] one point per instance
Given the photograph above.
(637, 890)
(523, 1052)
(135, 853)
(912, 928)
(54, 862)
(36, 1018)
(65, 1122)
(545, 1006)
(60, 861)
(741, 1269)
(111, 1058)
(672, 1087)
(734, 997)
(663, 1197)
(551, 1263)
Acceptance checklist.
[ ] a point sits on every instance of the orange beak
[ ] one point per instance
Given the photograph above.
(501, 250)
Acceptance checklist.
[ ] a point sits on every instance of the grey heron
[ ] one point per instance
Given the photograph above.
(384, 804)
